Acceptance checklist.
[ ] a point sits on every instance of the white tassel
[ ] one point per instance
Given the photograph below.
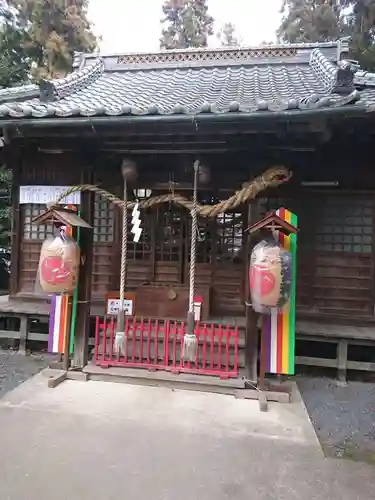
(189, 350)
(119, 346)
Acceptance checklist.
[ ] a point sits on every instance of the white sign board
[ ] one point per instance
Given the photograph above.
(113, 306)
(44, 194)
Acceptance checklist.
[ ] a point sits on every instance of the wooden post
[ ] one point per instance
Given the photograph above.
(251, 334)
(342, 361)
(82, 328)
(14, 163)
(23, 334)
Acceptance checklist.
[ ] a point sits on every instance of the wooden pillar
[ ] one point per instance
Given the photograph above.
(13, 162)
(252, 334)
(82, 328)
(342, 361)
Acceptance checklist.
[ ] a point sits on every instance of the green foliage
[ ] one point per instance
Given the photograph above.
(360, 25)
(327, 20)
(54, 29)
(227, 36)
(310, 21)
(14, 65)
(188, 24)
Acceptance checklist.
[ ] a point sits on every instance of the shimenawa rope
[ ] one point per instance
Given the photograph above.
(272, 177)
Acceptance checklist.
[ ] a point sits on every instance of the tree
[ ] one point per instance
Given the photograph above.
(360, 25)
(188, 24)
(311, 20)
(54, 30)
(227, 36)
(325, 20)
(14, 65)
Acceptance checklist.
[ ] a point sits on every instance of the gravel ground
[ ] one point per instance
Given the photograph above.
(343, 417)
(16, 368)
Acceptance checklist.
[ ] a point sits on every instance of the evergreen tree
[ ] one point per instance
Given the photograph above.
(14, 64)
(188, 24)
(325, 20)
(360, 25)
(55, 29)
(311, 20)
(227, 35)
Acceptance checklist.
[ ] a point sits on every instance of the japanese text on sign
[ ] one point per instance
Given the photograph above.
(113, 306)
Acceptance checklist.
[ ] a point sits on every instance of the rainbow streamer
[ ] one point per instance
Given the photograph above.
(58, 323)
(279, 327)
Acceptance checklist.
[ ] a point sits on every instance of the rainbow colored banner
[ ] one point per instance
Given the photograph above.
(58, 323)
(279, 327)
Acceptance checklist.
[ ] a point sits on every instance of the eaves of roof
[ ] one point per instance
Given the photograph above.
(242, 90)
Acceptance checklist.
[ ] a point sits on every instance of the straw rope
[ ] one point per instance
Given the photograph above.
(271, 178)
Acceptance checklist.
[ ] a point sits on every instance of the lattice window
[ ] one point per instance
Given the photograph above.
(103, 220)
(346, 225)
(35, 231)
(230, 232)
(170, 233)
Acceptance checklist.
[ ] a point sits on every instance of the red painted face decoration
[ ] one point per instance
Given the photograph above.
(262, 279)
(269, 276)
(54, 271)
(59, 265)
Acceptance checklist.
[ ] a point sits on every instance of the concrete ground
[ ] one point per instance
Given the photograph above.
(97, 440)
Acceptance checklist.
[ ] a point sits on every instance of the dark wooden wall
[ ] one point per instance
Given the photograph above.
(336, 248)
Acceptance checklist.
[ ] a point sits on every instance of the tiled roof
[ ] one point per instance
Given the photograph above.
(273, 79)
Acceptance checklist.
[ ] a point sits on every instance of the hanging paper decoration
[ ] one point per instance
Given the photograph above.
(59, 264)
(136, 223)
(58, 324)
(270, 276)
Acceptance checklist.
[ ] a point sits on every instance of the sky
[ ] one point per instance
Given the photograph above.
(134, 26)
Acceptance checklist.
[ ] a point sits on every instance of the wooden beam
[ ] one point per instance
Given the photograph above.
(82, 326)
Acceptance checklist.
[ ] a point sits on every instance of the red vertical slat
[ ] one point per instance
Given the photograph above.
(174, 344)
(220, 339)
(111, 329)
(134, 337)
(156, 336)
(197, 350)
(235, 350)
(149, 327)
(141, 326)
(182, 334)
(104, 339)
(166, 344)
(126, 338)
(227, 338)
(204, 349)
(96, 348)
(212, 339)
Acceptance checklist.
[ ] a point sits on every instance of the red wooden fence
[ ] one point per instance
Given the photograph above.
(157, 345)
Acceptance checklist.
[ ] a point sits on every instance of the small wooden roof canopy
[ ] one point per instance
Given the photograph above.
(61, 215)
(274, 223)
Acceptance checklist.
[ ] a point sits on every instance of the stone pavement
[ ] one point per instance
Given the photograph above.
(97, 440)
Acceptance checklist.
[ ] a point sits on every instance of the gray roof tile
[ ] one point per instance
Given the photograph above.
(305, 78)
